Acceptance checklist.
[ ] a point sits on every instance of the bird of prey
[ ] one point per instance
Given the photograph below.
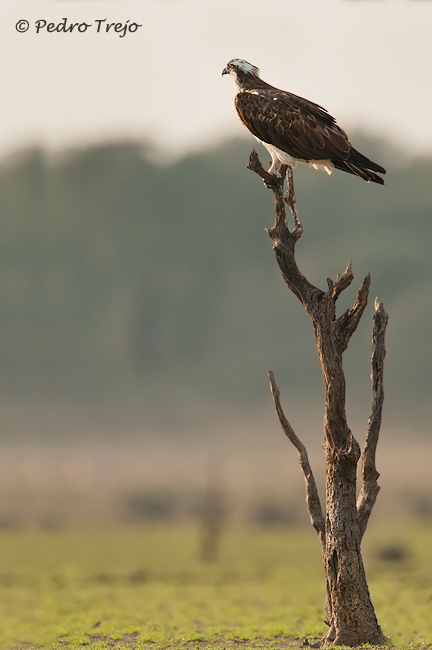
(294, 129)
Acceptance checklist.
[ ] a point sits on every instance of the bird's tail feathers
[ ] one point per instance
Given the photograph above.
(357, 158)
(366, 174)
(357, 170)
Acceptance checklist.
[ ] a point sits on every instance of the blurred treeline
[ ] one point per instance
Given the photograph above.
(124, 280)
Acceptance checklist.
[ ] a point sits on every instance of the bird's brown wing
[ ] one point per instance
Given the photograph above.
(300, 128)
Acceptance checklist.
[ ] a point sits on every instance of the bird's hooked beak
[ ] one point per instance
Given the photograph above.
(225, 71)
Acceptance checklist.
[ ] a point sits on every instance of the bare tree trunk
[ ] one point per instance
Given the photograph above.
(213, 514)
(349, 610)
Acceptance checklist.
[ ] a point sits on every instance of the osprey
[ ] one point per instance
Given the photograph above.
(293, 129)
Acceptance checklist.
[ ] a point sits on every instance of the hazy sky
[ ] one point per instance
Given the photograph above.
(367, 61)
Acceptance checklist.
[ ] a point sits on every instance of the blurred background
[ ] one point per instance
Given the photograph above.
(140, 302)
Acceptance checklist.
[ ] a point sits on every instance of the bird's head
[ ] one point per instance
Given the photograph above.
(242, 71)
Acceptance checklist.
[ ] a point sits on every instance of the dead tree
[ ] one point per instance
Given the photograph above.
(349, 610)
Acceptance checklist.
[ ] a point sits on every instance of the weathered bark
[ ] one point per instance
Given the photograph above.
(369, 489)
(349, 610)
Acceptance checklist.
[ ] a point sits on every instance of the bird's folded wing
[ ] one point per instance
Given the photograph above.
(300, 128)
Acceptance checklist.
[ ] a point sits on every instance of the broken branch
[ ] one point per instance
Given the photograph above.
(370, 488)
(312, 496)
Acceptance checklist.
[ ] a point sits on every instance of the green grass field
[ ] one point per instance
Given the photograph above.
(146, 587)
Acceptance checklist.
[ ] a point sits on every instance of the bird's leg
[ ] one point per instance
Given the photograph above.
(275, 162)
(290, 199)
